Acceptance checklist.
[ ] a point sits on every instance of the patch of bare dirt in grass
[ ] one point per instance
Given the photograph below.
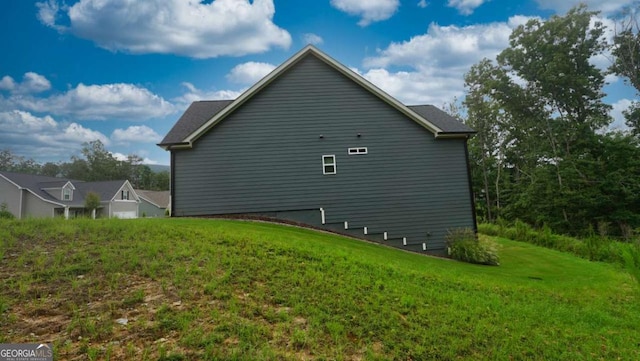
(110, 321)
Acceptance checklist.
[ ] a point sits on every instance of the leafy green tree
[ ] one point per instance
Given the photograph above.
(92, 203)
(486, 149)
(626, 61)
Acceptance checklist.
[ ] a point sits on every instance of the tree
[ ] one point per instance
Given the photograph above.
(540, 116)
(626, 61)
(92, 202)
(484, 115)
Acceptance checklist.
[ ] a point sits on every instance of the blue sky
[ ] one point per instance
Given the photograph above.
(123, 71)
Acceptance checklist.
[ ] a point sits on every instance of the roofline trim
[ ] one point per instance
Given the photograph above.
(445, 135)
(274, 74)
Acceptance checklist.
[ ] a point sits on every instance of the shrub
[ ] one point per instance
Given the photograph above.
(464, 246)
(631, 257)
(4, 211)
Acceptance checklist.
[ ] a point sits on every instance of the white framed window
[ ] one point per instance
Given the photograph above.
(355, 151)
(66, 194)
(124, 195)
(329, 164)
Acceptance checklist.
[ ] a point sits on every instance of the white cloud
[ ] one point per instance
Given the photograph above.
(31, 83)
(415, 87)
(7, 83)
(183, 27)
(250, 72)
(606, 7)
(146, 160)
(311, 38)
(194, 94)
(34, 83)
(437, 60)
(619, 123)
(43, 137)
(370, 11)
(99, 102)
(446, 47)
(119, 156)
(136, 134)
(48, 12)
(465, 7)
(423, 3)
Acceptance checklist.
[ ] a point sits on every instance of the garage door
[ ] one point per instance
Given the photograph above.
(125, 215)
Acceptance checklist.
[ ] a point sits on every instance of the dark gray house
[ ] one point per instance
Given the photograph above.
(315, 143)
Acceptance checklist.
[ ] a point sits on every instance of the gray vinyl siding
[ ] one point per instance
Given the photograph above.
(35, 207)
(267, 156)
(149, 210)
(10, 195)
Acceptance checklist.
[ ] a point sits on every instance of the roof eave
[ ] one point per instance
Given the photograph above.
(171, 146)
(446, 135)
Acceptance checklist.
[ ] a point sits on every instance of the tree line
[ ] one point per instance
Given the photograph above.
(95, 164)
(544, 153)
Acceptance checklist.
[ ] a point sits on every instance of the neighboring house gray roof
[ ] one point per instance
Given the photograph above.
(38, 183)
(203, 115)
(158, 198)
(196, 115)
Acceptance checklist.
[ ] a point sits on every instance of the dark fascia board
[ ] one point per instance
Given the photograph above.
(215, 119)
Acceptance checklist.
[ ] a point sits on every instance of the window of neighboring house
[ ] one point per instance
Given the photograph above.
(328, 164)
(125, 195)
(361, 150)
(66, 194)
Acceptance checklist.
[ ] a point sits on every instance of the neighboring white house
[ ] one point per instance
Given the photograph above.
(28, 195)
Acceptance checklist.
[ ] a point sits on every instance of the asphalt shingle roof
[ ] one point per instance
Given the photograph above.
(159, 198)
(441, 119)
(196, 115)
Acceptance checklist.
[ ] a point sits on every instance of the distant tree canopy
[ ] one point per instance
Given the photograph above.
(96, 164)
(543, 153)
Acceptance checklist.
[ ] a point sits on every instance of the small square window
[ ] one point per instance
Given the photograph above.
(329, 164)
(125, 195)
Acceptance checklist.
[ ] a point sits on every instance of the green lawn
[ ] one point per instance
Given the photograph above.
(232, 290)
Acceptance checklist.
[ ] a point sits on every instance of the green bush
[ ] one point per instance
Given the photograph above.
(631, 259)
(463, 245)
(4, 211)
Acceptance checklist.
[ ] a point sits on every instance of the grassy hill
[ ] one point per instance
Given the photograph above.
(174, 289)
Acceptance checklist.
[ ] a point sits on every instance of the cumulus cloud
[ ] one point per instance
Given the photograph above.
(31, 83)
(183, 27)
(369, 11)
(99, 102)
(250, 72)
(311, 38)
(44, 137)
(465, 7)
(7, 83)
(423, 3)
(136, 134)
(619, 123)
(194, 94)
(437, 60)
